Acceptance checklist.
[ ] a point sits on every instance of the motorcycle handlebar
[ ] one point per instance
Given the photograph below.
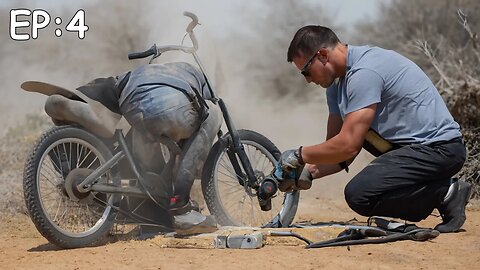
(147, 53)
(193, 23)
(156, 51)
(189, 29)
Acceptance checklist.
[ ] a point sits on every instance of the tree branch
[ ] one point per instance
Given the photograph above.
(462, 19)
(425, 48)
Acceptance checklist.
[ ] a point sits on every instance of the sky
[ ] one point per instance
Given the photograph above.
(347, 12)
(222, 14)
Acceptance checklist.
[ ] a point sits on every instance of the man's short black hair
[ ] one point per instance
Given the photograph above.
(309, 39)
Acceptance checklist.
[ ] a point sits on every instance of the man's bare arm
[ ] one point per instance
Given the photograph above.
(346, 144)
(334, 125)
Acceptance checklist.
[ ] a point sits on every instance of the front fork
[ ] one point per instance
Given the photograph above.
(235, 150)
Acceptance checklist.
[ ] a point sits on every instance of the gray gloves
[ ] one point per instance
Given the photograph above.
(302, 183)
(294, 175)
(291, 159)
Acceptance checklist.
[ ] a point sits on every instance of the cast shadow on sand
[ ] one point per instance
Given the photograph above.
(132, 235)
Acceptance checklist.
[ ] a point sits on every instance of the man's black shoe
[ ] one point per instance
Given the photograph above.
(453, 212)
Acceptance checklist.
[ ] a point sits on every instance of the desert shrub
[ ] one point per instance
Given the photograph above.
(14, 148)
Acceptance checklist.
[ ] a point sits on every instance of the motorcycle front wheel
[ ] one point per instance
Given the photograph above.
(234, 204)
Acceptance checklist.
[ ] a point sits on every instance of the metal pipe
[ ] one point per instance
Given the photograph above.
(111, 189)
(237, 145)
(84, 186)
(123, 145)
(210, 87)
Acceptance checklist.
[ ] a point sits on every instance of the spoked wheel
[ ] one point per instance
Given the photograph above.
(235, 204)
(61, 159)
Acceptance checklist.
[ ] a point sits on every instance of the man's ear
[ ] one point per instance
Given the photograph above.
(323, 55)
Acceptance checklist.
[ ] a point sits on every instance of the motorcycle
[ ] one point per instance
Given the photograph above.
(78, 185)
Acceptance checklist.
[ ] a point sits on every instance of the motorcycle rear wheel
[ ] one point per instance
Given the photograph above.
(64, 216)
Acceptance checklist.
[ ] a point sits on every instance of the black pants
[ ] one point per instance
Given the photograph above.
(406, 183)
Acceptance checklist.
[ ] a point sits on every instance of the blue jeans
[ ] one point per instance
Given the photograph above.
(161, 111)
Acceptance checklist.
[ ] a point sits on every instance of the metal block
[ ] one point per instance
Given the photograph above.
(250, 241)
(220, 241)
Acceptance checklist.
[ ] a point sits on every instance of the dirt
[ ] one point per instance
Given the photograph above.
(22, 247)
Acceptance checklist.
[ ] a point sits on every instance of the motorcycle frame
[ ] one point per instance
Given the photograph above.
(235, 151)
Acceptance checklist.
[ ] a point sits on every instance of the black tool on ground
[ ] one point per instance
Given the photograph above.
(296, 235)
(352, 237)
(385, 231)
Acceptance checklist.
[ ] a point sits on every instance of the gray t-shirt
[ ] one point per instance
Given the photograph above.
(409, 107)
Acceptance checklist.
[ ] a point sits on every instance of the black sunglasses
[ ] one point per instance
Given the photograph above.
(305, 72)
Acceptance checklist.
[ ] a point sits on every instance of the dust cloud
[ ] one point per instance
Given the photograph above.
(70, 62)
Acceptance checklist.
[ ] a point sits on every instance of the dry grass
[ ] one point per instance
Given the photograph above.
(14, 148)
(471, 169)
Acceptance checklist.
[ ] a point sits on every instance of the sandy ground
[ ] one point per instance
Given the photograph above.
(22, 247)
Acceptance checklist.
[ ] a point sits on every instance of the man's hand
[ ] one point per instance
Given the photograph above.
(291, 159)
(303, 182)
